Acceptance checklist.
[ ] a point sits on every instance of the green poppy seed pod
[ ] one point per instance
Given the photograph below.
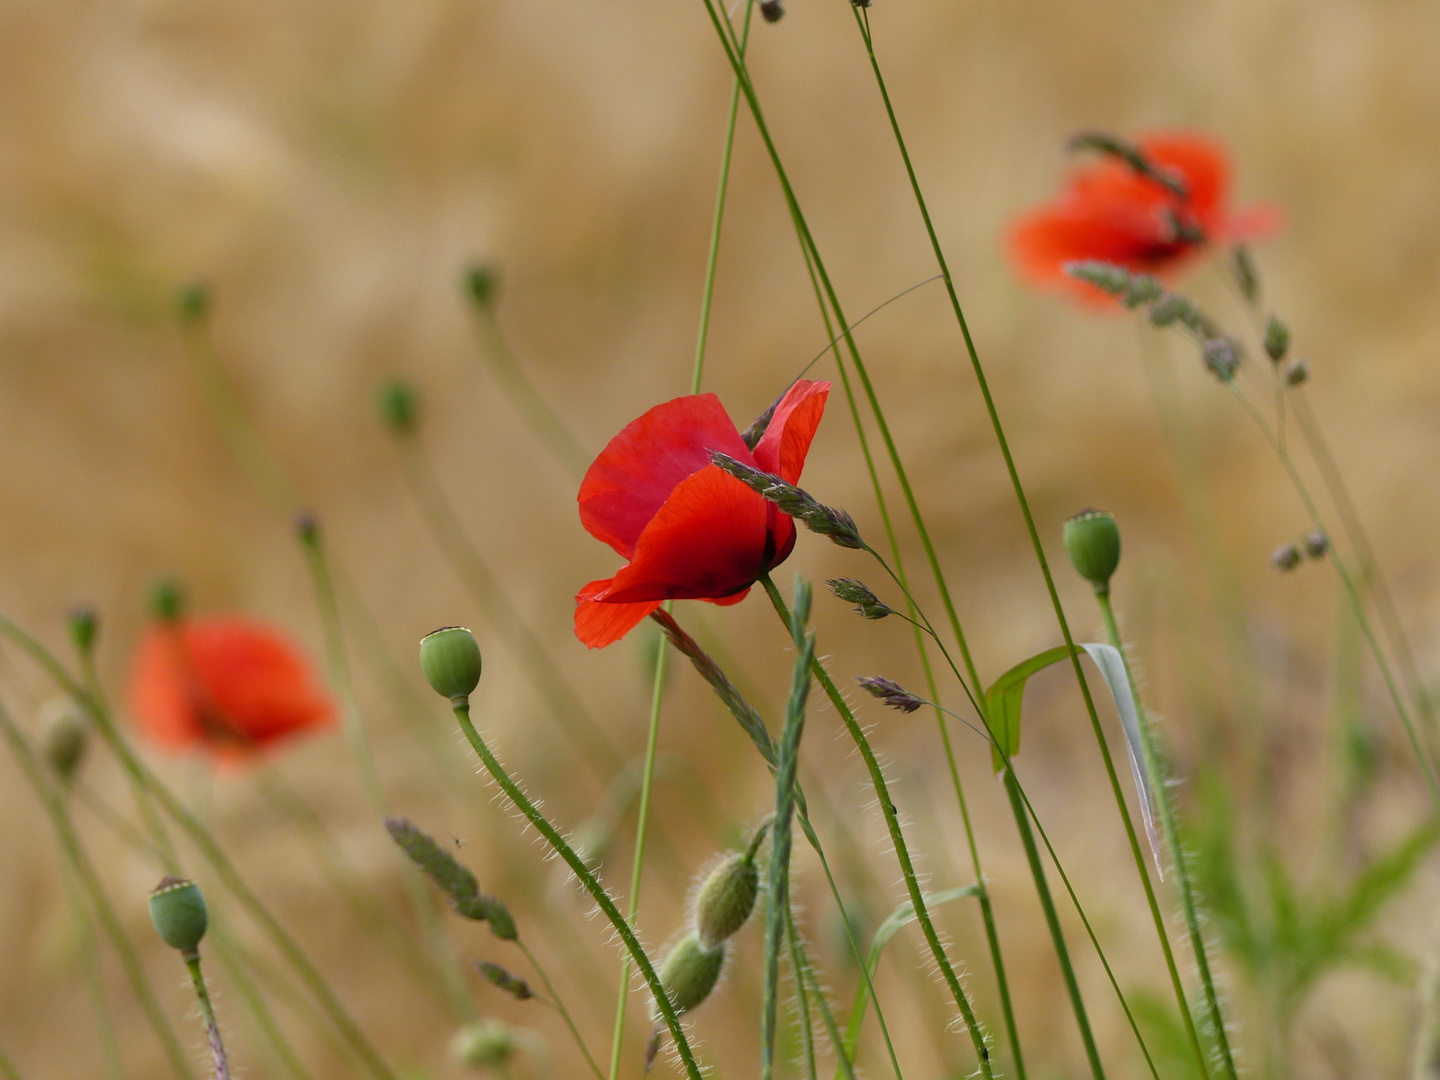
(1092, 540)
(450, 658)
(65, 736)
(689, 974)
(725, 900)
(177, 909)
(399, 404)
(485, 1044)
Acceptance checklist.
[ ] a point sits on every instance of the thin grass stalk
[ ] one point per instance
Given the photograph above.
(556, 1002)
(862, 21)
(1170, 827)
(1370, 573)
(802, 996)
(814, 261)
(1348, 582)
(587, 879)
(94, 978)
(442, 955)
(642, 821)
(897, 837)
(74, 853)
(146, 780)
(805, 972)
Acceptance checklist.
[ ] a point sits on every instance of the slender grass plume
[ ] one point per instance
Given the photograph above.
(938, 827)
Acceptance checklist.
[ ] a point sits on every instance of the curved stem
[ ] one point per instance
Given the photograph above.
(897, 837)
(587, 879)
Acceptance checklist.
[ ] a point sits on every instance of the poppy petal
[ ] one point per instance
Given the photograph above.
(708, 541)
(599, 624)
(782, 449)
(727, 601)
(639, 468)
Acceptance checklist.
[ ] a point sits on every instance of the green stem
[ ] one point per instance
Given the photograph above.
(442, 954)
(207, 1013)
(1352, 594)
(1052, 920)
(94, 979)
(798, 970)
(642, 820)
(587, 879)
(1170, 827)
(897, 837)
(559, 1004)
(79, 861)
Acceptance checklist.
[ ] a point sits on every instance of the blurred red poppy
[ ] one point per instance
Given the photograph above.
(227, 685)
(689, 530)
(1111, 212)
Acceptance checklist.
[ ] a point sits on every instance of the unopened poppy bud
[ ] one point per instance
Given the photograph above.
(890, 692)
(485, 1044)
(1222, 356)
(499, 977)
(1277, 339)
(483, 284)
(858, 593)
(772, 10)
(450, 658)
(66, 734)
(167, 600)
(177, 909)
(192, 303)
(689, 974)
(1092, 540)
(1316, 545)
(84, 627)
(725, 900)
(1296, 373)
(1285, 557)
(399, 406)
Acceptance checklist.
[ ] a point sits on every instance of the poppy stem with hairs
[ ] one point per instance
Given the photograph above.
(207, 1013)
(461, 707)
(897, 837)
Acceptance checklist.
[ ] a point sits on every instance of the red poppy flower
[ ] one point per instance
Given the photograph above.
(1110, 212)
(689, 530)
(228, 685)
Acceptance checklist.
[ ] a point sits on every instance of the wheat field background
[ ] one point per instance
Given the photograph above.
(329, 169)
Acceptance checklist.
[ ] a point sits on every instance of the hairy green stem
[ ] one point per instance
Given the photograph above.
(207, 1014)
(602, 899)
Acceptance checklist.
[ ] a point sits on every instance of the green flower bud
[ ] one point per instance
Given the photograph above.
(1092, 540)
(689, 974)
(485, 1044)
(483, 283)
(177, 909)
(725, 900)
(399, 404)
(65, 736)
(450, 659)
(84, 628)
(167, 600)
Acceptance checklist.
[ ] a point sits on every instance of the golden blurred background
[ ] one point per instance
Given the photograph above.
(330, 169)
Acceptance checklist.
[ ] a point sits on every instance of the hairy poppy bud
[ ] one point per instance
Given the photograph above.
(725, 900)
(483, 284)
(66, 734)
(167, 600)
(192, 303)
(399, 405)
(689, 974)
(1316, 545)
(84, 627)
(177, 909)
(450, 658)
(1296, 373)
(1092, 540)
(1277, 339)
(1285, 557)
(485, 1044)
